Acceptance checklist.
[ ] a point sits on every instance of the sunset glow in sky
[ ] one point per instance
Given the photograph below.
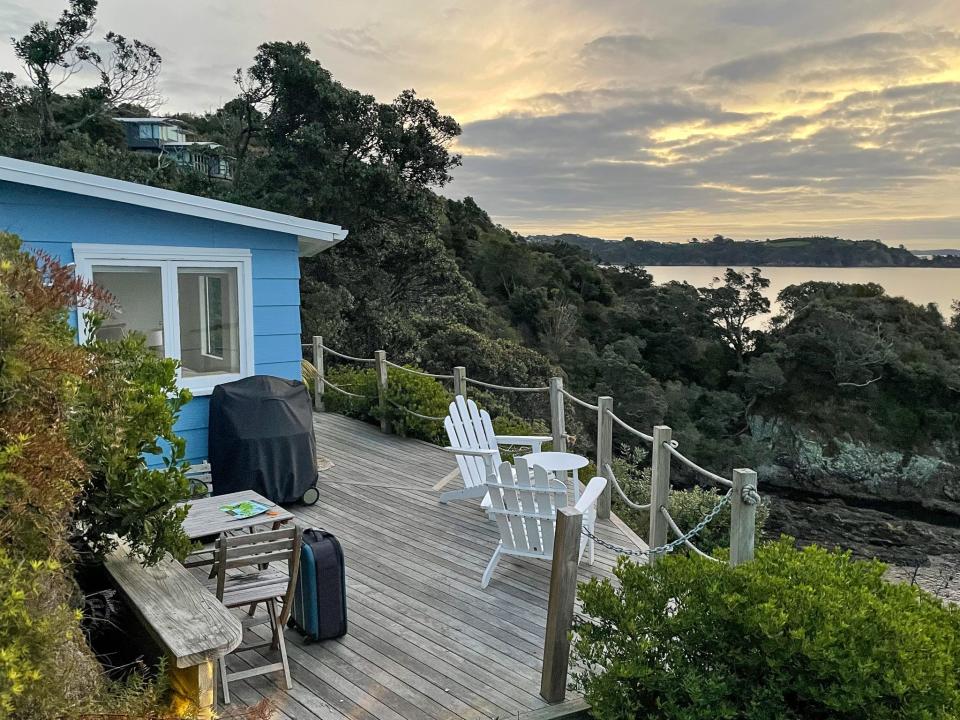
(662, 120)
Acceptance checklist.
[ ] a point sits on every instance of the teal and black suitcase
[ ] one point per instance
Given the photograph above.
(320, 603)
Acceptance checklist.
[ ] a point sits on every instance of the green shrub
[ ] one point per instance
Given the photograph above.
(509, 423)
(420, 394)
(794, 634)
(126, 409)
(25, 634)
(73, 422)
(687, 507)
(423, 395)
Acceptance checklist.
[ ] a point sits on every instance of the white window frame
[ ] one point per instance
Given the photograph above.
(204, 304)
(169, 260)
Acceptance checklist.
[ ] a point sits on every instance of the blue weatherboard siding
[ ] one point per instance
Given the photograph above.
(52, 221)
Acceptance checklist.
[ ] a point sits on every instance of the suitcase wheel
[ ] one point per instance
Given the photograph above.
(311, 496)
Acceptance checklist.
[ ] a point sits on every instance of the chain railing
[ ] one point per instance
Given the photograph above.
(606, 420)
(683, 538)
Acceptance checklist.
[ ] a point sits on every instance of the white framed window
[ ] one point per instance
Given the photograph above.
(212, 311)
(192, 304)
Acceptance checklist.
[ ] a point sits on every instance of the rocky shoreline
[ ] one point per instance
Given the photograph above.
(921, 547)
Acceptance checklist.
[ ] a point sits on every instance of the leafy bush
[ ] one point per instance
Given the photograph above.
(512, 424)
(687, 507)
(794, 634)
(423, 395)
(420, 394)
(126, 409)
(28, 635)
(40, 477)
(73, 422)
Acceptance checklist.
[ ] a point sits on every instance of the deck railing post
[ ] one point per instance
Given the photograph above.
(659, 487)
(318, 380)
(560, 606)
(380, 363)
(557, 421)
(460, 381)
(604, 450)
(743, 518)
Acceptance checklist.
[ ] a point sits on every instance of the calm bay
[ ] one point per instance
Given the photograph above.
(917, 284)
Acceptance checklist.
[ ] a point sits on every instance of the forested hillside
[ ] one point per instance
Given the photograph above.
(720, 250)
(850, 388)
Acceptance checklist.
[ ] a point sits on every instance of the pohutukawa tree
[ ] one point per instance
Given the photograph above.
(51, 54)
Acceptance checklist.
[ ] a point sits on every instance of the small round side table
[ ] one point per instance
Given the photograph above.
(560, 462)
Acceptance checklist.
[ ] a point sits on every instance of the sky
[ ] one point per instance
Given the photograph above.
(660, 120)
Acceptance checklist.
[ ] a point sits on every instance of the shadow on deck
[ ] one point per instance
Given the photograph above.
(425, 642)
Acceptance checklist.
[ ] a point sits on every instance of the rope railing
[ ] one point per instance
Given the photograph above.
(398, 406)
(608, 471)
(696, 468)
(339, 389)
(679, 533)
(642, 435)
(605, 421)
(344, 356)
(436, 376)
(508, 388)
(578, 401)
(408, 411)
(741, 496)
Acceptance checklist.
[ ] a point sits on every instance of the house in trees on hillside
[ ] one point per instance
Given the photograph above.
(212, 284)
(167, 137)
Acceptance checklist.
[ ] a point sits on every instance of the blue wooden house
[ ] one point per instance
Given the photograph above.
(213, 284)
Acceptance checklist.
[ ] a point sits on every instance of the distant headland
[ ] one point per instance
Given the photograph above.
(786, 252)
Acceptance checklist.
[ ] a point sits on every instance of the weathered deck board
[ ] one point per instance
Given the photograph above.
(425, 642)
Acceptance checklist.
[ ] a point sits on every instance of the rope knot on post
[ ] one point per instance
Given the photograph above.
(749, 495)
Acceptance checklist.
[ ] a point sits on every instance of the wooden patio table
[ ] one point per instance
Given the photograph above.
(206, 519)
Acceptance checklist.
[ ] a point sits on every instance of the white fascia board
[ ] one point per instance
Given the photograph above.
(313, 236)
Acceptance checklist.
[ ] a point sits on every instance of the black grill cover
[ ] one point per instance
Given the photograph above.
(261, 438)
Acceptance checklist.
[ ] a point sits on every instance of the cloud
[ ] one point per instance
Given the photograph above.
(598, 123)
(889, 55)
(626, 48)
(16, 19)
(356, 41)
(857, 154)
(621, 117)
(804, 96)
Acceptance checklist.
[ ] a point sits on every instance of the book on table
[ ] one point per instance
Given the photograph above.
(245, 509)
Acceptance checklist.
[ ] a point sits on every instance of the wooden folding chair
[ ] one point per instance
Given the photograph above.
(263, 585)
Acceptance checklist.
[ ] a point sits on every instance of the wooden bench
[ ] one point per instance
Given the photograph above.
(187, 622)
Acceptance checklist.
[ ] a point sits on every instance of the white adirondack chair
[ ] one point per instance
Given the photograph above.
(477, 448)
(524, 501)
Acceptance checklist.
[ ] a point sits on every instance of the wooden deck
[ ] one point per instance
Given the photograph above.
(425, 641)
